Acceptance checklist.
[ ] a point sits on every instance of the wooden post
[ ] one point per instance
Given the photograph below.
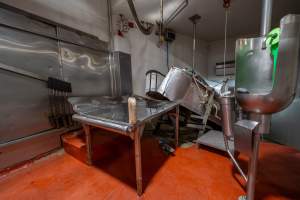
(132, 110)
(137, 144)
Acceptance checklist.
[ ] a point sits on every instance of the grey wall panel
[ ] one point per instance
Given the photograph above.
(19, 21)
(81, 39)
(29, 52)
(23, 106)
(28, 148)
(285, 125)
(86, 69)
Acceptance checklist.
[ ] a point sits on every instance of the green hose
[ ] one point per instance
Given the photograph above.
(272, 43)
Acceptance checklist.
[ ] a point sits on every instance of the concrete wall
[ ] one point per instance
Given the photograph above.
(86, 15)
(146, 55)
(216, 54)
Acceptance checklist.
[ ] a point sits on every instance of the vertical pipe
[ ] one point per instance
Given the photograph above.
(111, 44)
(194, 44)
(161, 21)
(114, 76)
(266, 17)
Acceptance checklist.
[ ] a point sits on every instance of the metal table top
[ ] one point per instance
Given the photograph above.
(113, 113)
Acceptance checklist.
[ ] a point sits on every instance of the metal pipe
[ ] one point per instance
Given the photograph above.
(110, 27)
(266, 17)
(178, 10)
(111, 47)
(194, 19)
(236, 164)
(161, 25)
(194, 44)
(146, 31)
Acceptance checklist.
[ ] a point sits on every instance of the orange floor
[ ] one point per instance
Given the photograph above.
(191, 174)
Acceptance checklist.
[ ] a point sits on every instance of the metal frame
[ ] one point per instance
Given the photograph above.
(135, 133)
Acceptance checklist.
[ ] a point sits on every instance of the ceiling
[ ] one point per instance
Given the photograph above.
(243, 19)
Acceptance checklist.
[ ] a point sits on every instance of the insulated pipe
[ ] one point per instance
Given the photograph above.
(146, 31)
(266, 17)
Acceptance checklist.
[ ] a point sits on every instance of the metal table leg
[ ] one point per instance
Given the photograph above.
(177, 127)
(138, 159)
(87, 131)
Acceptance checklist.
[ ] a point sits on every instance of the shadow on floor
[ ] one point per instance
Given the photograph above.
(114, 154)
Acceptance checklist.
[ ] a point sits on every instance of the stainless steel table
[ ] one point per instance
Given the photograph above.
(112, 114)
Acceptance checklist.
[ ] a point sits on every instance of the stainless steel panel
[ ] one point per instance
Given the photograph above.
(123, 67)
(243, 139)
(13, 19)
(23, 106)
(86, 69)
(285, 126)
(29, 52)
(80, 38)
(23, 150)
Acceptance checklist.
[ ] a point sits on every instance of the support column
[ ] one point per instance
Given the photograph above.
(253, 167)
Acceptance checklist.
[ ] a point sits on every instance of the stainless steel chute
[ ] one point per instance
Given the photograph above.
(190, 90)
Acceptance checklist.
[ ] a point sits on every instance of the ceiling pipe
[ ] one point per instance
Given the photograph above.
(146, 31)
(266, 17)
(194, 19)
(178, 10)
(110, 26)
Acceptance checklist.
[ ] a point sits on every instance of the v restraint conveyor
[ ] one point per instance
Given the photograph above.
(121, 116)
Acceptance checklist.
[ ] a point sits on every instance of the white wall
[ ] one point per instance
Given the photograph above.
(86, 15)
(216, 54)
(146, 55)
